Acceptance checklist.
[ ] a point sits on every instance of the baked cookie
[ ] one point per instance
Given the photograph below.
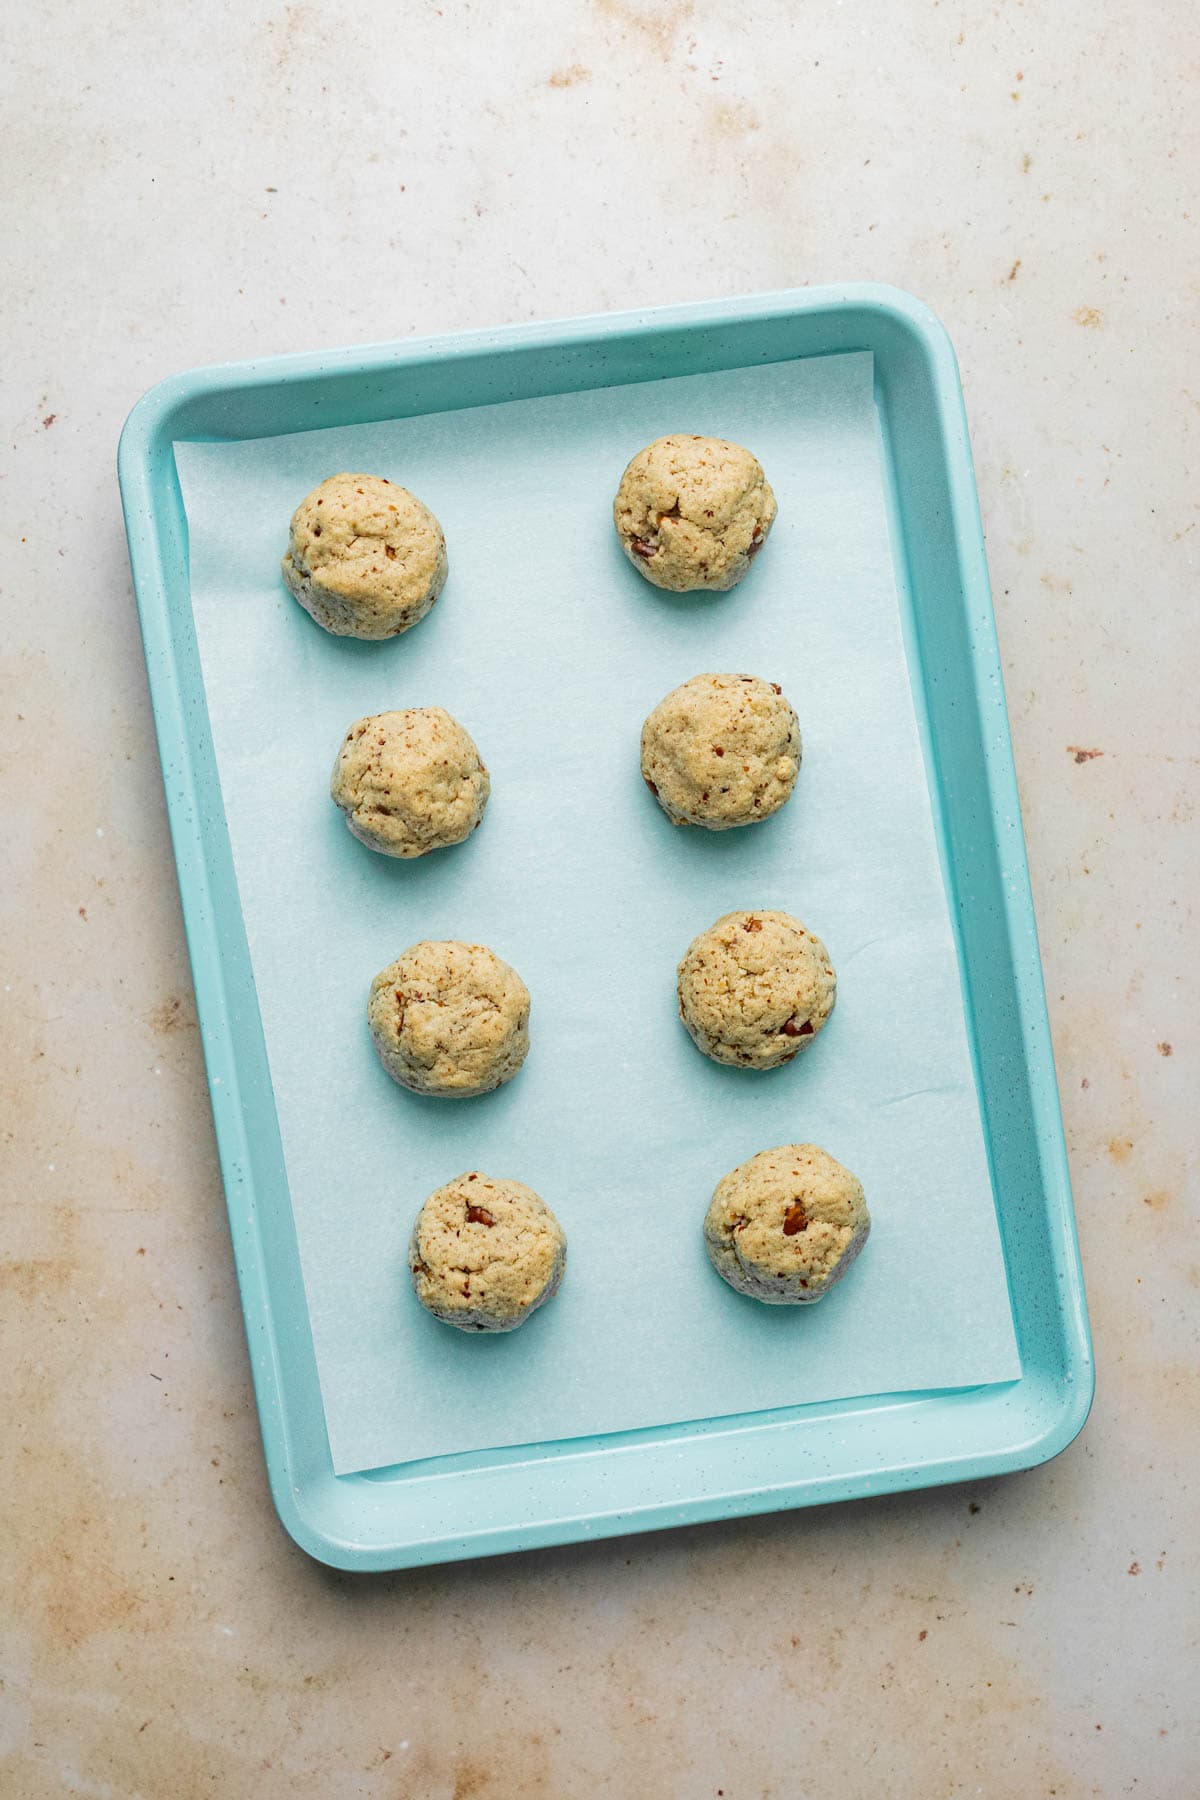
(449, 1018)
(693, 512)
(484, 1254)
(364, 557)
(786, 1225)
(755, 989)
(410, 782)
(721, 750)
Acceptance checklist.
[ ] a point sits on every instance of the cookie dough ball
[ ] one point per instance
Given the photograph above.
(786, 1225)
(755, 989)
(693, 512)
(410, 782)
(449, 1018)
(484, 1254)
(364, 557)
(721, 750)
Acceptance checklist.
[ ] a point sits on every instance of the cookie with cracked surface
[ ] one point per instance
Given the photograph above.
(365, 558)
(410, 781)
(693, 512)
(449, 1019)
(785, 1226)
(721, 751)
(485, 1253)
(755, 989)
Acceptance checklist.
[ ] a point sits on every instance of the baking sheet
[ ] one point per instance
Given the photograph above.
(551, 650)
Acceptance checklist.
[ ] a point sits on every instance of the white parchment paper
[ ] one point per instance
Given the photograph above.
(551, 650)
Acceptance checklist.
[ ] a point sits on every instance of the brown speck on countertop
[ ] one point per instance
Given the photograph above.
(658, 28)
(569, 77)
(1135, 1568)
(973, 1506)
(1165, 1049)
(171, 1015)
(48, 421)
(1012, 273)
(1091, 318)
(1081, 755)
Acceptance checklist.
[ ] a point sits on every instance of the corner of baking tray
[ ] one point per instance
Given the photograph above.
(1065, 1412)
(909, 310)
(149, 426)
(304, 1530)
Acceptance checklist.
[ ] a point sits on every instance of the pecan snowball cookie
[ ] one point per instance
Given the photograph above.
(693, 512)
(484, 1254)
(450, 1019)
(755, 989)
(410, 782)
(721, 750)
(786, 1225)
(364, 557)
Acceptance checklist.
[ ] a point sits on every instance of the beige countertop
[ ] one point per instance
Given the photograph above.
(223, 181)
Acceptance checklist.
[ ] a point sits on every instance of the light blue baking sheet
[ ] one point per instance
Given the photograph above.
(551, 650)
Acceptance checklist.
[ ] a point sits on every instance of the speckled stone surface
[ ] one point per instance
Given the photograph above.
(256, 180)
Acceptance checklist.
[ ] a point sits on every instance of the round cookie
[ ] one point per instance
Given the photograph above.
(786, 1225)
(755, 989)
(693, 512)
(721, 750)
(410, 782)
(449, 1019)
(484, 1254)
(365, 559)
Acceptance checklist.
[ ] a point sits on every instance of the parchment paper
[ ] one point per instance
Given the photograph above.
(551, 650)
